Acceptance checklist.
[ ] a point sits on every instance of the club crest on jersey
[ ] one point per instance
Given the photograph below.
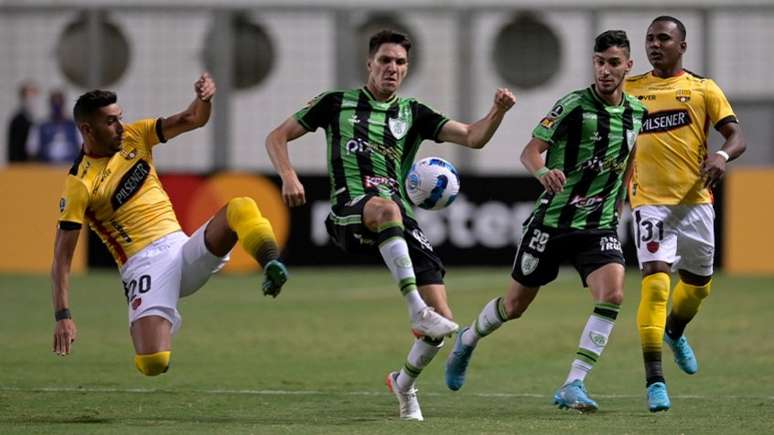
(128, 153)
(528, 263)
(683, 95)
(398, 127)
(631, 137)
(652, 247)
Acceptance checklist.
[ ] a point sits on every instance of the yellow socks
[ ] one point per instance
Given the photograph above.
(687, 299)
(652, 312)
(253, 230)
(153, 364)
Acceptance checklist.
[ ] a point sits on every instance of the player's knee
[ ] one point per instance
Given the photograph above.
(655, 288)
(241, 208)
(153, 364)
(388, 211)
(699, 292)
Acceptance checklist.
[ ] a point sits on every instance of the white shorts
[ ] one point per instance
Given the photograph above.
(171, 267)
(681, 235)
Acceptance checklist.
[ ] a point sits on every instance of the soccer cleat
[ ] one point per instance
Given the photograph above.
(573, 395)
(658, 399)
(428, 323)
(275, 274)
(409, 405)
(684, 356)
(457, 362)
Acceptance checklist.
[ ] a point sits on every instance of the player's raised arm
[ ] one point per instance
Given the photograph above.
(198, 112)
(277, 147)
(552, 179)
(65, 331)
(477, 135)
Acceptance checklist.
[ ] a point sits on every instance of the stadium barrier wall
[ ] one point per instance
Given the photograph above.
(30, 195)
(748, 235)
(482, 227)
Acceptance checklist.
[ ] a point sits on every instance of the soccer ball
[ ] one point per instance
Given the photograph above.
(432, 183)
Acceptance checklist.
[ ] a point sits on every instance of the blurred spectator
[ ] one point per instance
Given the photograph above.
(55, 140)
(21, 123)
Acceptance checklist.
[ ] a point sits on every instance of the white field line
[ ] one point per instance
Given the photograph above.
(331, 393)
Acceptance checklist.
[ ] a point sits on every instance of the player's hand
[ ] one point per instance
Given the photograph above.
(713, 169)
(504, 99)
(64, 336)
(293, 192)
(553, 181)
(204, 87)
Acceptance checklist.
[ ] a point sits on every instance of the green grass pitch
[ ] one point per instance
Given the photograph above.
(313, 361)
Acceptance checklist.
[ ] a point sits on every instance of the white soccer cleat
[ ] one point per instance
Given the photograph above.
(428, 323)
(409, 405)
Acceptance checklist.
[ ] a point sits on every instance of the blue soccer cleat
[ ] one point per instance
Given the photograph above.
(457, 363)
(658, 399)
(574, 396)
(684, 356)
(275, 274)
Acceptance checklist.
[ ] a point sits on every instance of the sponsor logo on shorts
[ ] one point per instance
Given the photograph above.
(610, 244)
(652, 246)
(136, 303)
(422, 239)
(528, 263)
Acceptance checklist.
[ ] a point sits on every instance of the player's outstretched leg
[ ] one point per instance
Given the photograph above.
(658, 398)
(257, 238)
(425, 322)
(686, 301)
(489, 319)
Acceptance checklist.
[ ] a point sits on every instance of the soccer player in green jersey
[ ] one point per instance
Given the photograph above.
(373, 136)
(588, 136)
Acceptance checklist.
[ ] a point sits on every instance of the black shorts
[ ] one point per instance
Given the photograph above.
(543, 249)
(346, 228)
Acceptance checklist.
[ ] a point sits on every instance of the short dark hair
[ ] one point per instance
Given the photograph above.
(92, 101)
(611, 38)
(388, 36)
(678, 23)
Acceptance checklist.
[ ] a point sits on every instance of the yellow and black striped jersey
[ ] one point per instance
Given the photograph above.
(120, 196)
(672, 145)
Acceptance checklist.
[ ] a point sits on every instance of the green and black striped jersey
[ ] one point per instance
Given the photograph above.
(590, 142)
(371, 143)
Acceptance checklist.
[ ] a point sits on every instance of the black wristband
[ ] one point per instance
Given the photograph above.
(62, 314)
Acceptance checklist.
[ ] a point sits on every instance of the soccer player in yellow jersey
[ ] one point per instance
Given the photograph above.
(113, 185)
(670, 192)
